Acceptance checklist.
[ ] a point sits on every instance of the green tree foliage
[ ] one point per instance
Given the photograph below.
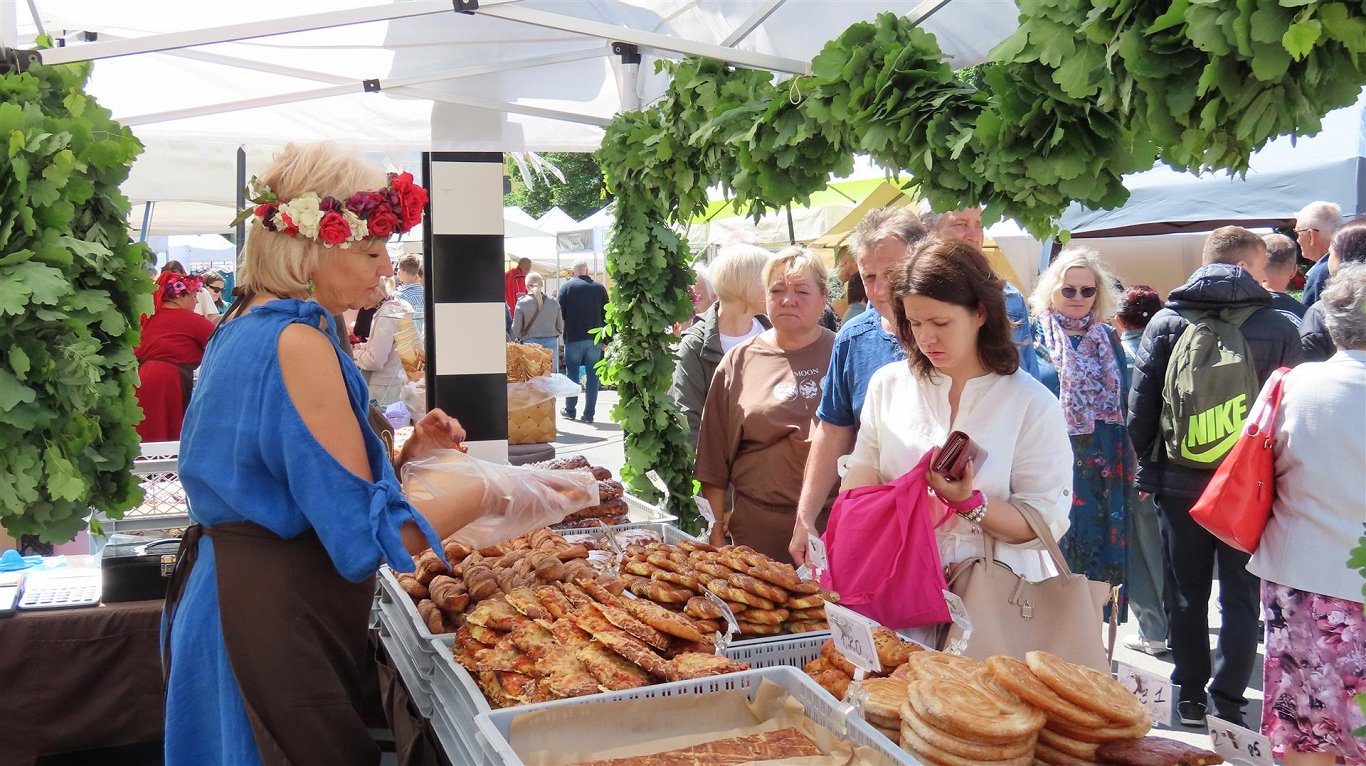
(1084, 92)
(72, 289)
(580, 195)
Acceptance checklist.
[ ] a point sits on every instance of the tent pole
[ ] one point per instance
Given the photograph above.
(791, 232)
(240, 235)
(146, 221)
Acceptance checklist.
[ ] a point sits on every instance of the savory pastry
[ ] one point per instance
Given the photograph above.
(1073, 748)
(930, 665)
(564, 674)
(768, 746)
(534, 639)
(703, 609)
(758, 587)
(663, 620)
(882, 706)
(611, 671)
(505, 656)
(766, 616)
(806, 626)
(835, 659)
(482, 634)
(415, 590)
(892, 650)
(1154, 751)
(729, 592)
(913, 743)
(525, 601)
(553, 601)
(496, 614)
(634, 627)
(598, 593)
(692, 665)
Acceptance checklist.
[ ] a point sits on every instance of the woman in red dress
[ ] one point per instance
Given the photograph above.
(173, 340)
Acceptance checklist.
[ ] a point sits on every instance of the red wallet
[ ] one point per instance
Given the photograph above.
(958, 449)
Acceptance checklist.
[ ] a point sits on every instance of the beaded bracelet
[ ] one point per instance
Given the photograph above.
(971, 509)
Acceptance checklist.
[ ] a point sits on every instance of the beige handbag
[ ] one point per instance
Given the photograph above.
(1011, 615)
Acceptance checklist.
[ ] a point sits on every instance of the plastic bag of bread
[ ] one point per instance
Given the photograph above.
(515, 499)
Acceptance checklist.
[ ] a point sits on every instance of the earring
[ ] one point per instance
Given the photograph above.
(310, 288)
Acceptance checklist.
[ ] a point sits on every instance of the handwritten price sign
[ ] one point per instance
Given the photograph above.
(1154, 691)
(853, 636)
(1238, 745)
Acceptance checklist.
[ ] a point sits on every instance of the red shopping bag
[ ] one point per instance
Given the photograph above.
(883, 555)
(1237, 502)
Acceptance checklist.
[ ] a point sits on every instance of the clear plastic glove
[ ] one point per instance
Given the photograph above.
(515, 500)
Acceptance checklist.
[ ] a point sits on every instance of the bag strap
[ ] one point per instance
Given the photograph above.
(536, 315)
(1263, 413)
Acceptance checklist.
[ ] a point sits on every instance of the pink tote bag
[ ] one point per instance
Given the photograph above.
(883, 555)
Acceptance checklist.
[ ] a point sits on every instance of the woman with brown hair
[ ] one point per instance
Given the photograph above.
(962, 374)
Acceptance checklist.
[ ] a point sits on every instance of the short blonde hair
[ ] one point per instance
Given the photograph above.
(736, 271)
(273, 262)
(795, 263)
(1107, 299)
(535, 281)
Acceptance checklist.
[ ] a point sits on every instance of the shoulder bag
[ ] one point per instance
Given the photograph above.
(1011, 615)
(1237, 501)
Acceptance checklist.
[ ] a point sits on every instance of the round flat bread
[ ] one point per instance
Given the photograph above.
(929, 665)
(1103, 734)
(885, 697)
(1064, 744)
(1016, 677)
(968, 711)
(917, 746)
(1087, 688)
(1054, 757)
(943, 742)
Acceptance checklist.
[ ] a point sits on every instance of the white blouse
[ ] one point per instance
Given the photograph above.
(1013, 418)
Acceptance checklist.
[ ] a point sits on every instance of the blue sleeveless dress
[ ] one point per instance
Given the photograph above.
(246, 455)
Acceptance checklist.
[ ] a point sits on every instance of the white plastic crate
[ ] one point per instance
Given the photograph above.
(821, 708)
(419, 688)
(456, 750)
(794, 650)
(667, 532)
(400, 644)
(456, 695)
(418, 637)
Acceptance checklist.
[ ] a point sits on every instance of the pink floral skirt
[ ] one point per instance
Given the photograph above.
(1315, 666)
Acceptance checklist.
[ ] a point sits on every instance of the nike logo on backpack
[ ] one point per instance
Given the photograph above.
(1212, 433)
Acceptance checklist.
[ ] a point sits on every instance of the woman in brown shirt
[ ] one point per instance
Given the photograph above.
(755, 426)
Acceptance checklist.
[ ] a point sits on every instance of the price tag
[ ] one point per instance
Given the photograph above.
(732, 626)
(654, 478)
(853, 636)
(1238, 745)
(1154, 691)
(958, 612)
(815, 553)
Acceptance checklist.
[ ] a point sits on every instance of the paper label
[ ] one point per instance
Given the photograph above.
(1154, 691)
(958, 612)
(853, 637)
(1238, 745)
(732, 626)
(654, 478)
(815, 553)
(705, 511)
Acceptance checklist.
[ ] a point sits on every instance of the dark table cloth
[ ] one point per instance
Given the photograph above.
(79, 679)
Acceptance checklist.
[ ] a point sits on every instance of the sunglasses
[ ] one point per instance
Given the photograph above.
(1071, 292)
(218, 289)
(1304, 229)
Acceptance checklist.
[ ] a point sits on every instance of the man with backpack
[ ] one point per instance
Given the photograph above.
(1202, 362)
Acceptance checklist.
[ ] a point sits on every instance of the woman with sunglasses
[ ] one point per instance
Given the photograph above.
(210, 300)
(1082, 361)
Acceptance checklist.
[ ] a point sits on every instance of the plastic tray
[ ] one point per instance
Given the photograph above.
(455, 693)
(457, 752)
(419, 686)
(667, 532)
(493, 727)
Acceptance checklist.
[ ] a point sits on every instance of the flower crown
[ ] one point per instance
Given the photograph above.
(330, 221)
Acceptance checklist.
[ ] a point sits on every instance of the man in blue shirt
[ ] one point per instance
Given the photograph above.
(879, 243)
(409, 288)
(1315, 226)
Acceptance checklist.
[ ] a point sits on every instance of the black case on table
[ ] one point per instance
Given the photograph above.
(138, 571)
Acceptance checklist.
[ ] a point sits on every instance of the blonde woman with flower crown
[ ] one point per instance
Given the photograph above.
(297, 505)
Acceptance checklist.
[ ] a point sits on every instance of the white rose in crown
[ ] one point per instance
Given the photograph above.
(304, 212)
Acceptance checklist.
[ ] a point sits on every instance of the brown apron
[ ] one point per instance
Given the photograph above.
(296, 638)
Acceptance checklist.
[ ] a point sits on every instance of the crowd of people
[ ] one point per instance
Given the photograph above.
(1072, 401)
